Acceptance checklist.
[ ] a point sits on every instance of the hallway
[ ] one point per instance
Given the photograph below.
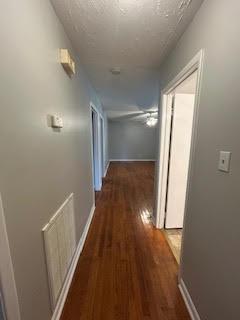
(126, 269)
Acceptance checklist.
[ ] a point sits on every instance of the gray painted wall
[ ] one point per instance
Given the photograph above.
(210, 261)
(131, 140)
(40, 167)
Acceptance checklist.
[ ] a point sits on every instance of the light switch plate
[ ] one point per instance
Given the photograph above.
(224, 161)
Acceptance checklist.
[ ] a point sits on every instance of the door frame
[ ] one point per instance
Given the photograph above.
(7, 279)
(196, 63)
(164, 133)
(102, 144)
(97, 180)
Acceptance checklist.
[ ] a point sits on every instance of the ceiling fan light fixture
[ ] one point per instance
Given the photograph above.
(151, 122)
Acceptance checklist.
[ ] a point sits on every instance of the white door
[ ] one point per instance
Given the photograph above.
(179, 159)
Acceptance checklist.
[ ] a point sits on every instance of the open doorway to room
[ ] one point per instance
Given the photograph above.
(97, 152)
(182, 107)
(177, 131)
(102, 145)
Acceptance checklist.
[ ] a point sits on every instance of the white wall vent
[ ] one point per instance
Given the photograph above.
(60, 245)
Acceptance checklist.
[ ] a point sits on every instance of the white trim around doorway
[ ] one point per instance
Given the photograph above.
(102, 145)
(97, 186)
(195, 64)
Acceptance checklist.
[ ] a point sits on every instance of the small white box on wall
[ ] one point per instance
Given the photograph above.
(67, 62)
(57, 122)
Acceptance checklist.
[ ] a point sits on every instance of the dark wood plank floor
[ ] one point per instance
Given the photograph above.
(126, 270)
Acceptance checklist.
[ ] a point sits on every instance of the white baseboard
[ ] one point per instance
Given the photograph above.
(105, 173)
(64, 292)
(124, 160)
(188, 301)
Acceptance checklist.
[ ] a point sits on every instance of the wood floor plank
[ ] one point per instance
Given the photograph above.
(126, 270)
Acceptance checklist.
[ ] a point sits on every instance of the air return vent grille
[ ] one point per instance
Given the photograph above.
(60, 244)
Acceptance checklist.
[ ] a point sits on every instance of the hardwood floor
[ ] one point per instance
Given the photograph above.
(126, 270)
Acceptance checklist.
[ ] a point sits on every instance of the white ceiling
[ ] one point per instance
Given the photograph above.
(134, 35)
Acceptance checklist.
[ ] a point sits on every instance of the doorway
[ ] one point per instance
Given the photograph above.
(102, 146)
(94, 147)
(97, 142)
(183, 98)
(178, 118)
(182, 109)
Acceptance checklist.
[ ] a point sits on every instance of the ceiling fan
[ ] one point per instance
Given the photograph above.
(152, 119)
(149, 117)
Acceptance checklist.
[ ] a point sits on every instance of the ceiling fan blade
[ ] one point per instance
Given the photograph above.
(127, 116)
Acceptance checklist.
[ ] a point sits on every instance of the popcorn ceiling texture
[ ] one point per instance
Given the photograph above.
(132, 34)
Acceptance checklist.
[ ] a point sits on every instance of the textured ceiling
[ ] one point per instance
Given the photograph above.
(134, 35)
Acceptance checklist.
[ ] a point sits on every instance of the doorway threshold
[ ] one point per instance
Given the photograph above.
(174, 239)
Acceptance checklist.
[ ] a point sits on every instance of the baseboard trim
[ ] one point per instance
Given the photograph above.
(106, 170)
(126, 160)
(64, 292)
(188, 301)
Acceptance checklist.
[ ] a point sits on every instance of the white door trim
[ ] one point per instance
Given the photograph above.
(102, 143)
(97, 163)
(195, 64)
(7, 278)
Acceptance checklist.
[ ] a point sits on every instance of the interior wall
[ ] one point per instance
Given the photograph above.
(40, 167)
(210, 265)
(131, 140)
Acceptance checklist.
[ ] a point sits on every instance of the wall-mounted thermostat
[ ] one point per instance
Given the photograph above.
(57, 122)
